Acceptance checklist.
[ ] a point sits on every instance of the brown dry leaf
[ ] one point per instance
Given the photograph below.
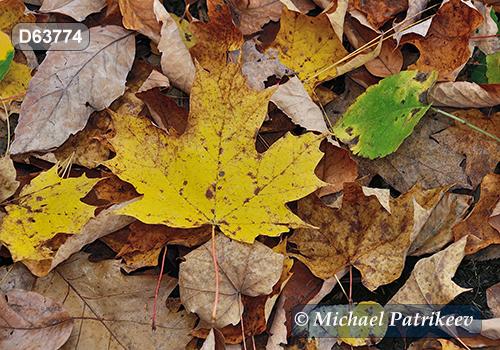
(84, 148)
(482, 153)
(256, 309)
(378, 11)
(29, 320)
(77, 9)
(176, 61)
(123, 306)
(8, 183)
(436, 232)
(419, 159)
(251, 15)
(139, 15)
(13, 12)
(216, 38)
(493, 297)
(15, 276)
(446, 45)
(433, 344)
(155, 79)
(481, 232)
(278, 328)
(462, 94)
(103, 224)
(489, 43)
(70, 85)
(250, 269)
(214, 341)
(362, 233)
(413, 14)
(390, 59)
(336, 167)
(166, 113)
(145, 242)
(430, 281)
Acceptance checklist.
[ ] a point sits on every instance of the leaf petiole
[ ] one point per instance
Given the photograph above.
(449, 115)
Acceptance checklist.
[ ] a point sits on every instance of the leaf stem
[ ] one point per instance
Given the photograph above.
(153, 324)
(214, 313)
(449, 115)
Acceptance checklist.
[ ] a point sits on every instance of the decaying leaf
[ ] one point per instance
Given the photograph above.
(462, 94)
(481, 233)
(381, 118)
(119, 308)
(419, 159)
(446, 45)
(249, 269)
(493, 297)
(70, 85)
(216, 38)
(14, 83)
(378, 11)
(29, 320)
(482, 153)
(362, 234)
(139, 15)
(74, 8)
(235, 188)
(47, 206)
(430, 281)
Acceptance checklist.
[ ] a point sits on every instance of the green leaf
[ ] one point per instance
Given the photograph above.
(493, 70)
(385, 114)
(6, 54)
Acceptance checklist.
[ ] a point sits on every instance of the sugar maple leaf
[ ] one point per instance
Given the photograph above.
(47, 206)
(212, 173)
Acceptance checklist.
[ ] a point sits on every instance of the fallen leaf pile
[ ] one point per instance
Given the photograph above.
(253, 153)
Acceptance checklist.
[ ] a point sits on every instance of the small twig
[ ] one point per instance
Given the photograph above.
(153, 324)
(449, 115)
(242, 326)
(8, 125)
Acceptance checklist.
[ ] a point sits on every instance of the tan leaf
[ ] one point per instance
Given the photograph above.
(70, 85)
(378, 11)
(123, 306)
(77, 9)
(250, 269)
(8, 183)
(155, 79)
(138, 15)
(419, 159)
(488, 43)
(15, 276)
(493, 297)
(482, 152)
(362, 233)
(390, 59)
(430, 281)
(481, 232)
(462, 94)
(29, 320)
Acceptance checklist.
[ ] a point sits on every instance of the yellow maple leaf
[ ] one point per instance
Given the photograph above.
(212, 173)
(308, 46)
(47, 206)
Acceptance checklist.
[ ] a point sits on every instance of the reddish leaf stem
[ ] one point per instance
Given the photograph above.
(153, 324)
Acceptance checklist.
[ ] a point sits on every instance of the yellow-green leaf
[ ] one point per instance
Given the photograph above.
(6, 54)
(47, 206)
(212, 173)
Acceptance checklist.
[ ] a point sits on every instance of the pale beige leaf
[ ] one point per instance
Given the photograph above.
(259, 67)
(293, 99)
(278, 329)
(77, 9)
(462, 94)
(338, 16)
(489, 43)
(123, 303)
(32, 321)
(70, 85)
(176, 61)
(155, 79)
(103, 224)
(430, 281)
(8, 183)
(413, 14)
(250, 269)
(17, 276)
